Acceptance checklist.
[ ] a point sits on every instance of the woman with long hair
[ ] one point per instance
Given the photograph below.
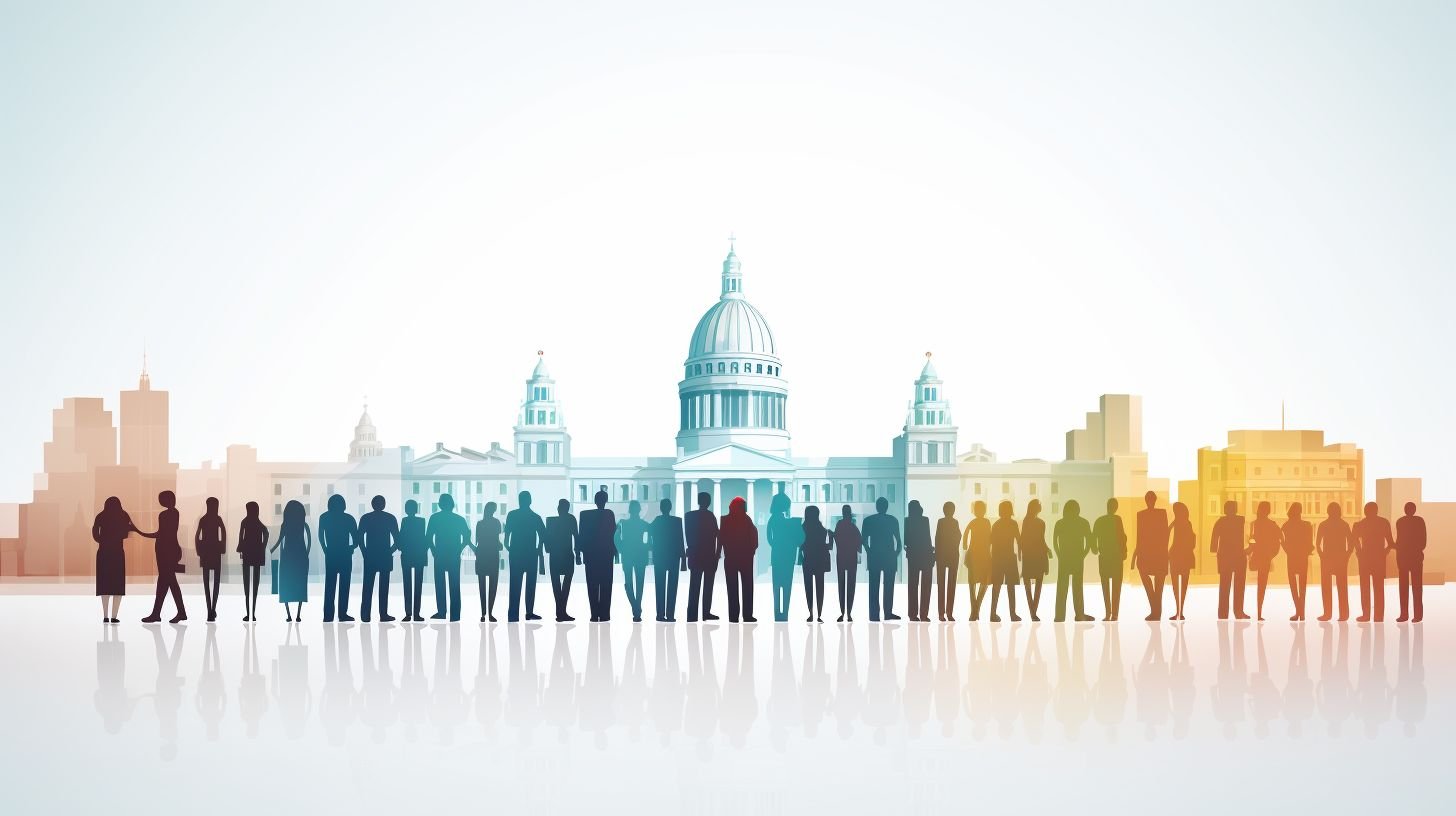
(785, 538)
(1298, 544)
(109, 531)
(296, 539)
(1035, 558)
(252, 551)
(815, 559)
(1180, 556)
(487, 548)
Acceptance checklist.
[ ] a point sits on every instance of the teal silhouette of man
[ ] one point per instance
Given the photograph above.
(631, 540)
(669, 557)
(414, 556)
(882, 543)
(1072, 542)
(379, 541)
(339, 537)
(447, 536)
(525, 535)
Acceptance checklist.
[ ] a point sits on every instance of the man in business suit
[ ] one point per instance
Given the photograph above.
(669, 557)
(379, 540)
(525, 533)
(447, 535)
(700, 528)
(339, 537)
(882, 542)
(598, 550)
(1233, 560)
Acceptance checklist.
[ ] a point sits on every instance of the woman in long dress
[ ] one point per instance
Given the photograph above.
(109, 531)
(296, 539)
(1004, 536)
(1035, 557)
(252, 551)
(815, 558)
(1180, 556)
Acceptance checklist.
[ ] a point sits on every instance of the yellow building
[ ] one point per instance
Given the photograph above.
(1280, 467)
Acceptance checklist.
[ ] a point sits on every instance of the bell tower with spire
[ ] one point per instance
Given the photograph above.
(541, 437)
(929, 437)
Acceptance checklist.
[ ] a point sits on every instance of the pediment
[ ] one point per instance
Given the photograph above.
(733, 457)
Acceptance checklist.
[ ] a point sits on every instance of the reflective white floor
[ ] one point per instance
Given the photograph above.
(768, 718)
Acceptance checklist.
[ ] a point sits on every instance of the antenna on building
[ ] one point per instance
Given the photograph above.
(1281, 415)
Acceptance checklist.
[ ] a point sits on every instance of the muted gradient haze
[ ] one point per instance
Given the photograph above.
(1219, 206)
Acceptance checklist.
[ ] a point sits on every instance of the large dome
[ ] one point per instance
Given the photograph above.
(732, 326)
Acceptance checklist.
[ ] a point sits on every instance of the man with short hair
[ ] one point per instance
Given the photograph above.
(882, 542)
(379, 540)
(339, 537)
(447, 535)
(700, 527)
(1410, 558)
(598, 551)
(525, 533)
(1372, 541)
(669, 557)
(1233, 560)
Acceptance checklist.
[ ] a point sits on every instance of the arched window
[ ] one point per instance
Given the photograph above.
(626, 492)
(644, 493)
(826, 493)
(722, 368)
(807, 496)
(869, 493)
(733, 368)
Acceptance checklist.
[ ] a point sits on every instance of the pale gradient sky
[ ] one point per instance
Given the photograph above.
(1217, 206)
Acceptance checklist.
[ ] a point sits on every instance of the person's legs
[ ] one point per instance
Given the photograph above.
(818, 595)
(176, 589)
(695, 589)
(1011, 599)
(368, 599)
(1116, 584)
(513, 612)
(670, 609)
(494, 579)
(1377, 588)
(995, 600)
(1225, 587)
(1261, 586)
(1078, 607)
(384, 595)
(257, 574)
(887, 586)
(1417, 592)
(876, 574)
(1240, 578)
(1064, 582)
(531, 592)
(912, 592)
(419, 593)
(1342, 590)
(480, 579)
(331, 577)
(454, 579)
(439, 591)
(730, 576)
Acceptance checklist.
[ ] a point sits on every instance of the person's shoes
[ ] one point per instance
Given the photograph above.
(512, 619)
(1344, 618)
(438, 616)
(950, 618)
(346, 619)
(491, 618)
(532, 617)
(1401, 619)
(708, 617)
(996, 619)
(1416, 619)
(732, 619)
(750, 620)
(386, 619)
(364, 618)
(1035, 619)
(328, 619)
(566, 619)
(809, 619)
(889, 616)
(849, 619)
(482, 619)
(178, 618)
(636, 618)
(1084, 618)
(1323, 618)
(290, 619)
(1261, 619)
(212, 617)
(1152, 616)
(1294, 617)
(1363, 619)
(1380, 619)
(1241, 617)
(1061, 620)
(841, 619)
(1016, 619)
(692, 619)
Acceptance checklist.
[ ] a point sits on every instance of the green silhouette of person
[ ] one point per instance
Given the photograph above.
(1109, 544)
(1072, 542)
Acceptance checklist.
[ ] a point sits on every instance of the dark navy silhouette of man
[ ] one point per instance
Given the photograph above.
(598, 550)
(379, 541)
(525, 533)
(563, 552)
(882, 543)
(669, 557)
(447, 536)
(700, 527)
(339, 537)
(414, 556)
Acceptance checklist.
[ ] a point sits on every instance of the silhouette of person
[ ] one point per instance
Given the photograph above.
(339, 537)
(414, 555)
(1109, 544)
(447, 535)
(109, 531)
(1266, 539)
(785, 540)
(378, 542)
(1181, 555)
(1298, 538)
(669, 557)
(1035, 556)
(1150, 556)
(1410, 558)
(598, 550)
(563, 552)
(296, 540)
(1228, 545)
(814, 556)
(1072, 542)
(700, 527)
(631, 541)
(1373, 540)
(947, 561)
(252, 551)
(487, 549)
(977, 544)
(919, 561)
(1005, 536)
(210, 541)
(1334, 543)
(882, 543)
(168, 552)
(525, 533)
(739, 540)
(847, 546)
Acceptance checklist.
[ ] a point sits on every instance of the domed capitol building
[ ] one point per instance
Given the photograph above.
(733, 439)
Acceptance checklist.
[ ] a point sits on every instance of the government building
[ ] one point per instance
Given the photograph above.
(733, 439)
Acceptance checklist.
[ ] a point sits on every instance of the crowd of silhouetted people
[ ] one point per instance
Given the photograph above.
(998, 555)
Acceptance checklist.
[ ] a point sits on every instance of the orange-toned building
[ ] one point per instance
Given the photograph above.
(1280, 467)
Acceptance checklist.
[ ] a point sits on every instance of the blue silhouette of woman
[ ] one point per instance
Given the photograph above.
(785, 537)
(296, 539)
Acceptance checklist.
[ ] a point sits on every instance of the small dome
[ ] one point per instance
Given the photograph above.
(732, 326)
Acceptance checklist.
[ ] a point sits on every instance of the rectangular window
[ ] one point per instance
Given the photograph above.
(361, 490)
(307, 488)
(978, 488)
(434, 507)
(437, 487)
(1005, 488)
(1258, 471)
(1213, 473)
(890, 492)
(626, 493)
(1213, 507)
(1031, 488)
(277, 489)
(331, 490)
(480, 487)
(277, 509)
(1055, 488)
(502, 488)
(581, 489)
(416, 491)
(1056, 508)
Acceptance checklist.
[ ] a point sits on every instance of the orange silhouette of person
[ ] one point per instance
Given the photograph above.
(1265, 542)
(1150, 557)
(1410, 557)
(1228, 545)
(1181, 555)
(1334, 544)
(1372, 541)
(1298, 544)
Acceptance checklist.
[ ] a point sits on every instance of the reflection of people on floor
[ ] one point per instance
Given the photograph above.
(1410, 679)
(1151, 682)
(252, 687)
(814, 688)
(167, 698)
(1372, 686)
(1230, 691)
(1333, 694)
(337, 700)
(1298, 685)
(1264, 697)
(211, 698)
(111, 699)
(376, 696)
(1072, 704)
(1182, 692)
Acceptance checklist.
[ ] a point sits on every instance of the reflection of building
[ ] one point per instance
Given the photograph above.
(733, 439)
(1392, 494)
(1280, 467)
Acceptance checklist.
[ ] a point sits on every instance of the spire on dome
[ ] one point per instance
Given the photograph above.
(928, 372)
(732, 271)
(540, 372)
